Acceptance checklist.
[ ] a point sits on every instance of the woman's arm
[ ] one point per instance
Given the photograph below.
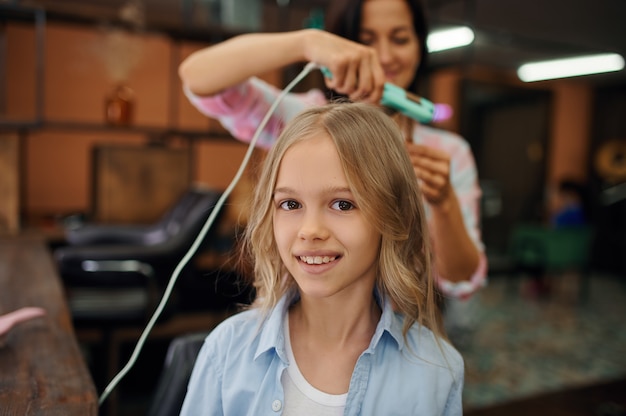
(355, 67)
(456, 254)
(457, 257)
(210, 70)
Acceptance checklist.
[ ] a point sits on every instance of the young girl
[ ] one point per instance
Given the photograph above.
(337, 235)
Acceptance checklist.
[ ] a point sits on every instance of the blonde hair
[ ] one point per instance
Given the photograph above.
(381, 177)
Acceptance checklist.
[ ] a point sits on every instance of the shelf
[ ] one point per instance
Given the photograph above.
(152, 131)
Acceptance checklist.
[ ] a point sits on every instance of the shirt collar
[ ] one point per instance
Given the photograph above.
(390, 323)
(272, 334)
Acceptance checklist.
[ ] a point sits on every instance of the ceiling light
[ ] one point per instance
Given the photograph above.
(571, 67)
(440, 40)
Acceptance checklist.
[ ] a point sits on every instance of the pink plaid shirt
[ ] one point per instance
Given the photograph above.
(241, 108)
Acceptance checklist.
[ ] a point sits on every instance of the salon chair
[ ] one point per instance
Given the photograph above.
(535, 248)
(118, 273)
(171, 387)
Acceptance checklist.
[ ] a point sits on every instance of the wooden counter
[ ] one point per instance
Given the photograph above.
(42, 370)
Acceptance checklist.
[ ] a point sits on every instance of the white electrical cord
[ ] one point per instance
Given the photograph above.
(209, 222)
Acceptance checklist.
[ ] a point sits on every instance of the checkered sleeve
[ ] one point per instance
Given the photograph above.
(241, 108)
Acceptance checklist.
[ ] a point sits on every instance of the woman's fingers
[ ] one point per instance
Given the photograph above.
(432, 169)
(356, 71)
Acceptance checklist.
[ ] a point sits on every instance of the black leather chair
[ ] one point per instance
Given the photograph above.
(172, 384)
(119, 272)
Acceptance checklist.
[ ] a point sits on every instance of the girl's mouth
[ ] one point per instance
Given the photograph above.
(317, 259)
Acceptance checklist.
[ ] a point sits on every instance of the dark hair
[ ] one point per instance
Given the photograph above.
(343, 18)
(581, 190)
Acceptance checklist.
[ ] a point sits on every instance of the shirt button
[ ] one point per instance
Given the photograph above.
(277, 405)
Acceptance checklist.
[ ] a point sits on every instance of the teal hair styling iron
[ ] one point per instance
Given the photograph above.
(410, 105)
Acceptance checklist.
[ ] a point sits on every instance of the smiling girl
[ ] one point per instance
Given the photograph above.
(337, 235)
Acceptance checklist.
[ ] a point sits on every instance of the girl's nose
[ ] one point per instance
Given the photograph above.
(313, 227)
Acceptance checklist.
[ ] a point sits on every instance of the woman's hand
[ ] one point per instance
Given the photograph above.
(457, 256)
(356, 69)
(432, 169)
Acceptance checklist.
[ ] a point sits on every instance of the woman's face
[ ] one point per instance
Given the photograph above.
(387, 26)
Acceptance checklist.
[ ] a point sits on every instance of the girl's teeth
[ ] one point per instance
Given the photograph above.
(316, 259)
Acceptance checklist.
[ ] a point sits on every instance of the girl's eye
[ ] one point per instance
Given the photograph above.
(289, 205)
(343, 205)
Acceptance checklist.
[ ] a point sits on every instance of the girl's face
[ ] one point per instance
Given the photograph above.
(323, 238)
(387, 26)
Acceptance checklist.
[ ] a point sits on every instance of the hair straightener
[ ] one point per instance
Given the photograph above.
(411, 105)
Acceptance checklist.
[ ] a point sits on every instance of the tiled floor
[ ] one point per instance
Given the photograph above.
(524, 346)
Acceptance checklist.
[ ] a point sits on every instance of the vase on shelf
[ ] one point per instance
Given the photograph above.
(119, 106)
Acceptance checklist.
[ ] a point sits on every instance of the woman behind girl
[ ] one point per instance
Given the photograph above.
(337, 235)
(368, 43)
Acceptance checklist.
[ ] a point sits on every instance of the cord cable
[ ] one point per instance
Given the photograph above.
(203, 231)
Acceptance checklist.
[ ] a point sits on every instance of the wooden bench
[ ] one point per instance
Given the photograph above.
(42, 370)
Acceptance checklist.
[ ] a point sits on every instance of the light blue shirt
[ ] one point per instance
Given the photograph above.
(238, 371)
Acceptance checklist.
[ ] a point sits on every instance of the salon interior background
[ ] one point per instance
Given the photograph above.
(526, 136)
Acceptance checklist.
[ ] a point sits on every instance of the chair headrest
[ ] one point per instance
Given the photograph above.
(192, 213)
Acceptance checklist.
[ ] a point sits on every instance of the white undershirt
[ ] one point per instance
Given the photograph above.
(300, 396)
